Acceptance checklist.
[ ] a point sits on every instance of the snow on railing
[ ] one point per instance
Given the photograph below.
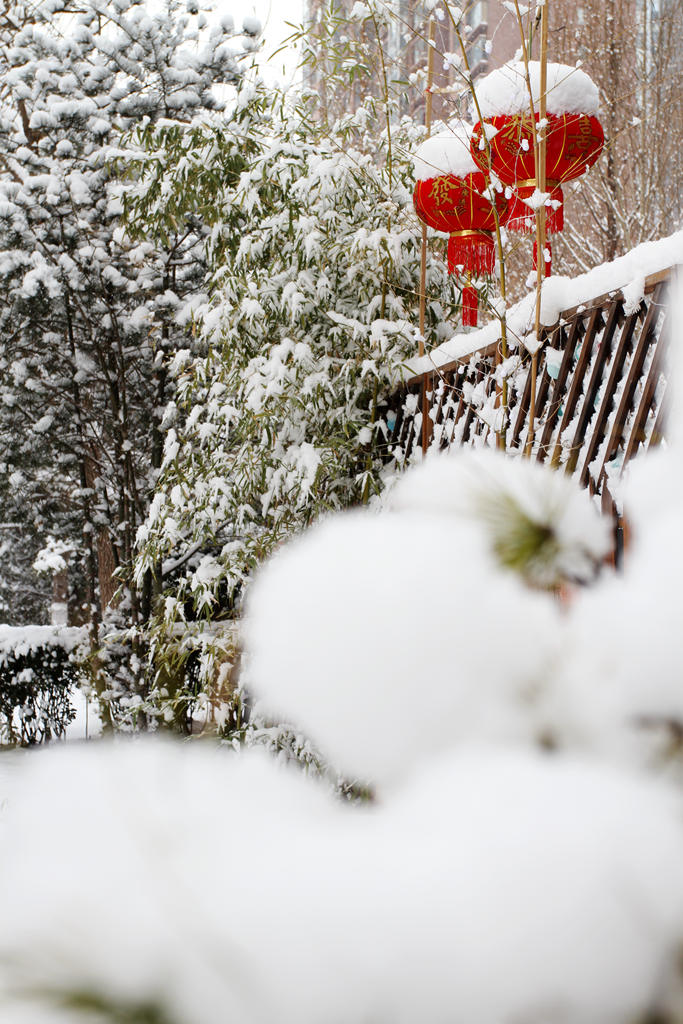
(600, 385)
(627, 274)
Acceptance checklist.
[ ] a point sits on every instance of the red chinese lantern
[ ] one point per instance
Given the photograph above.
(461, 207)
(573, 144)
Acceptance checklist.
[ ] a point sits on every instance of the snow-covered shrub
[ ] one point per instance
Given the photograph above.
(375, 631)
(537, 523)
(39, 669)
(495, 886)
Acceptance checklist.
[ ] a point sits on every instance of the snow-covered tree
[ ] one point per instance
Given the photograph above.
(88, 314)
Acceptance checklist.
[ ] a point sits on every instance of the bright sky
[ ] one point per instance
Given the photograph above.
(273, 15)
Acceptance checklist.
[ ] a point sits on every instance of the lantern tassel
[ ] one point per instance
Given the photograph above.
(474, 254)
(520, 216)
(548, 261)
(523, 218)
(470, 306)
(554, 218)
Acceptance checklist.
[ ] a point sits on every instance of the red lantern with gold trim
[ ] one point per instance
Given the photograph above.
(573, 135)
(451, 195)
(460, 207)
(573, 144)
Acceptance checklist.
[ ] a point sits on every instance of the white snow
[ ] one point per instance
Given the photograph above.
(50, 559)
(24, 639)
(185, 930)
(338, 644)
(59, 613)
(487, 492)
(492, 880)
(635, 683)
(537, 199)
(569, 90)
(447, 152)
(559, 294)
(633, 294)
(496, 886)
(251, 25)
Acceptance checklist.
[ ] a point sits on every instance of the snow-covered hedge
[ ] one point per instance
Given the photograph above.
(38, 670)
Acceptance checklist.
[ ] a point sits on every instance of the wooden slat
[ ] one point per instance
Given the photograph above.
(543, 389)
(408, 430)
(408, 423)
(595, 322)
(609, 511)
(471, 411)
(458, 382)
(522, 411)
(634, 373)
(623, 348)
(446, 409)
(588, 410)
(576, 333)
(637, 435)
(428, 387)
(658, 430)
(463, 406)
(441, 391)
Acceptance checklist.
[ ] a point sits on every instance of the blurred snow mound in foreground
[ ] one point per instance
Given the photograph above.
(523, 858)
(496, 886)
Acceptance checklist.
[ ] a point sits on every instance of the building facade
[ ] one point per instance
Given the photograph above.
(491, 39)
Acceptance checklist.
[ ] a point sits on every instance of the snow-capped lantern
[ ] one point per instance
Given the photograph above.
(451, 195)
(574, 136)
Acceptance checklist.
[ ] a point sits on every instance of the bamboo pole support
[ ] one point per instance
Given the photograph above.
(540, 154)
(426, 432)
(502, 350)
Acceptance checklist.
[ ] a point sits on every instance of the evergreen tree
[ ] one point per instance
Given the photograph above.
(88, 314)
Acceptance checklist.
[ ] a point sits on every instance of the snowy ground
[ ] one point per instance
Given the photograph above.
(9, 764)
(86, 725)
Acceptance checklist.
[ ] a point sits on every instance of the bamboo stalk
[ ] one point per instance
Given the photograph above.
(540, 159)
(423, 258)
(502, 352)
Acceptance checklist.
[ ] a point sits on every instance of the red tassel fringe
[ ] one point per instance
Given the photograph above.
(474, 255)
(522, 218)
(470, 307)
(548, 263)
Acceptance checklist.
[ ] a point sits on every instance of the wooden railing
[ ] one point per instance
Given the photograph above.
(600, 392)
